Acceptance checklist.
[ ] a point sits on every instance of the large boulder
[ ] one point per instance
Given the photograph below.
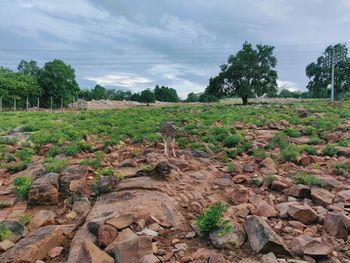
(90, 253)
(311, 246)
(268, 166)
(161, 171)
(262, 238)
(70, 175)
(35, 246)
(44, 190)
(42, 218)
(17, 229)
(303, 213)
(321, 196)
(337, 225)
(299, 190)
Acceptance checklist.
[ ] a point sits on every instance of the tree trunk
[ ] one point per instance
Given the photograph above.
(245, 100)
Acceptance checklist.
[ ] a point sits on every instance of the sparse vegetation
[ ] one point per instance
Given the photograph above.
(291, 153)
(25, 219)
(307, 179)
(212, 218)
(330, 150)
(22, 186)
(4, 232)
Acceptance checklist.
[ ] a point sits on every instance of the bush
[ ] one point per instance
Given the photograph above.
(259, 154)
(308, 149)
(329, 150)
(232, 153)
(339, 168)
(4, 232)
(315, 140)
(25, 219)
(291, 153)
(212, 218)
(292, 132)
(22, 186)
(55, 165)
(307, 179)
(12, 169)
(233, 140)
(280, 140)
(309, 130)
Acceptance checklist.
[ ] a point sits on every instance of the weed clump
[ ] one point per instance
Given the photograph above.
(292, 132)
(329, 150)
(55, 165)
(291, 153)
(212, 219)
(307, 179)
(233, 140)
(4, 232)
(25, 219)
(22, 186)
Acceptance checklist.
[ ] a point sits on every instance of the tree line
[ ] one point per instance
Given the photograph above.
(249, 73)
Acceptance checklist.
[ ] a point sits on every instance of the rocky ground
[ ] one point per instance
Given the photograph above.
(149, 215)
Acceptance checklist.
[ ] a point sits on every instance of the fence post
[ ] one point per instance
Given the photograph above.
(14, 104)
(38, 103)
(0, 103)
(51, 102)
(27, 103)
(61, 103)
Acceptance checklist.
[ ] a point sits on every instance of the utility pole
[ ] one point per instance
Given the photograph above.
(334, 55)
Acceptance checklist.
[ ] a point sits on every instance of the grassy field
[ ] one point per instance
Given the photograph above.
(67, 132)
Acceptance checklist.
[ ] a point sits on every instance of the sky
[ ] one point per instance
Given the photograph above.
(133, 44)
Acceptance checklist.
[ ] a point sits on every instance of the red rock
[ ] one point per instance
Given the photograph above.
(35, 246)
(337, 225)
(55, 252)
(266, 210)
(299, 190)
(121, 221)
(149, 259)
(303, 213)
(268, 167)
(90, 253)
(216, 258)
(42, 218)
(239, 195)
(306, 245)
(321, 196)
(44, 190)
(106, 234)
(278, 185)
(344, 195)
(336, 136)
(130, 251)
(239, 179)
(124, 235)
(201, 254)
(305, 160)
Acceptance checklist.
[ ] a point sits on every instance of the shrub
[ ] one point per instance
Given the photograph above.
(291, 153)
(309, 130)
(232, 153)
(12, 169)
(270, 178)
(22, 186)
(329, 150)
(308, 149)
(212, 218)
(231, 167)
(307, 179)
(292, 132)
(259, 154)
(55, 165)
(315, 140)
(233, 140)
(25, 219)
(4, 232)
(280, 140)
(339, 168)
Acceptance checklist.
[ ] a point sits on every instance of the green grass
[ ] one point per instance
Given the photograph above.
(4, 232)
(307, 179)
(25, 219)
(291, 153)
(330, 150)
(55, 165)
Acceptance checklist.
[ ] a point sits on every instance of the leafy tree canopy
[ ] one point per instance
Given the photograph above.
(251, 72)
(147, 96)
(166, 94)
(28, 68)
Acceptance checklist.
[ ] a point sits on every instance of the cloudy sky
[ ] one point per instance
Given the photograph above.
(133, 44)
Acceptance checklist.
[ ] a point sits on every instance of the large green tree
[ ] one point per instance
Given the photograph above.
(166, 94)
(58, 81)
(28, 68)
(251, 72)
(147, 96)
(319, 73)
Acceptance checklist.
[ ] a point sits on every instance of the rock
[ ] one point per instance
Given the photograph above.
(90, 253)
(121, 221)
(302, 112)
(321, 196)
(201, 254)
(44, 190)
(262, 238)
(300, 190)
(71, 215)
(268, 167)
(161, 171)
(106, 184)
(35, 246)
(42, 218)
(278, 185)
(55, 252)
(283, 209)
(266, 210)
(17, 229)
(239, 179)
(234, 238)
(306, 245)
(69, 174)
(336, 136)
(344, 195)
(124, 235)
(190, 235)
(149, 259)
(81, 205)
(337, 225)
(5, 245)
(131, 251)
(216, 258)
(95, 224)
(239, 194)
(106, 234)
(303, 213)
(269, 258)
(248, 168)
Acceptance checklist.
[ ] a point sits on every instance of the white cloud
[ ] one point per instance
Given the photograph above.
(289, 85)
(126, 80)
